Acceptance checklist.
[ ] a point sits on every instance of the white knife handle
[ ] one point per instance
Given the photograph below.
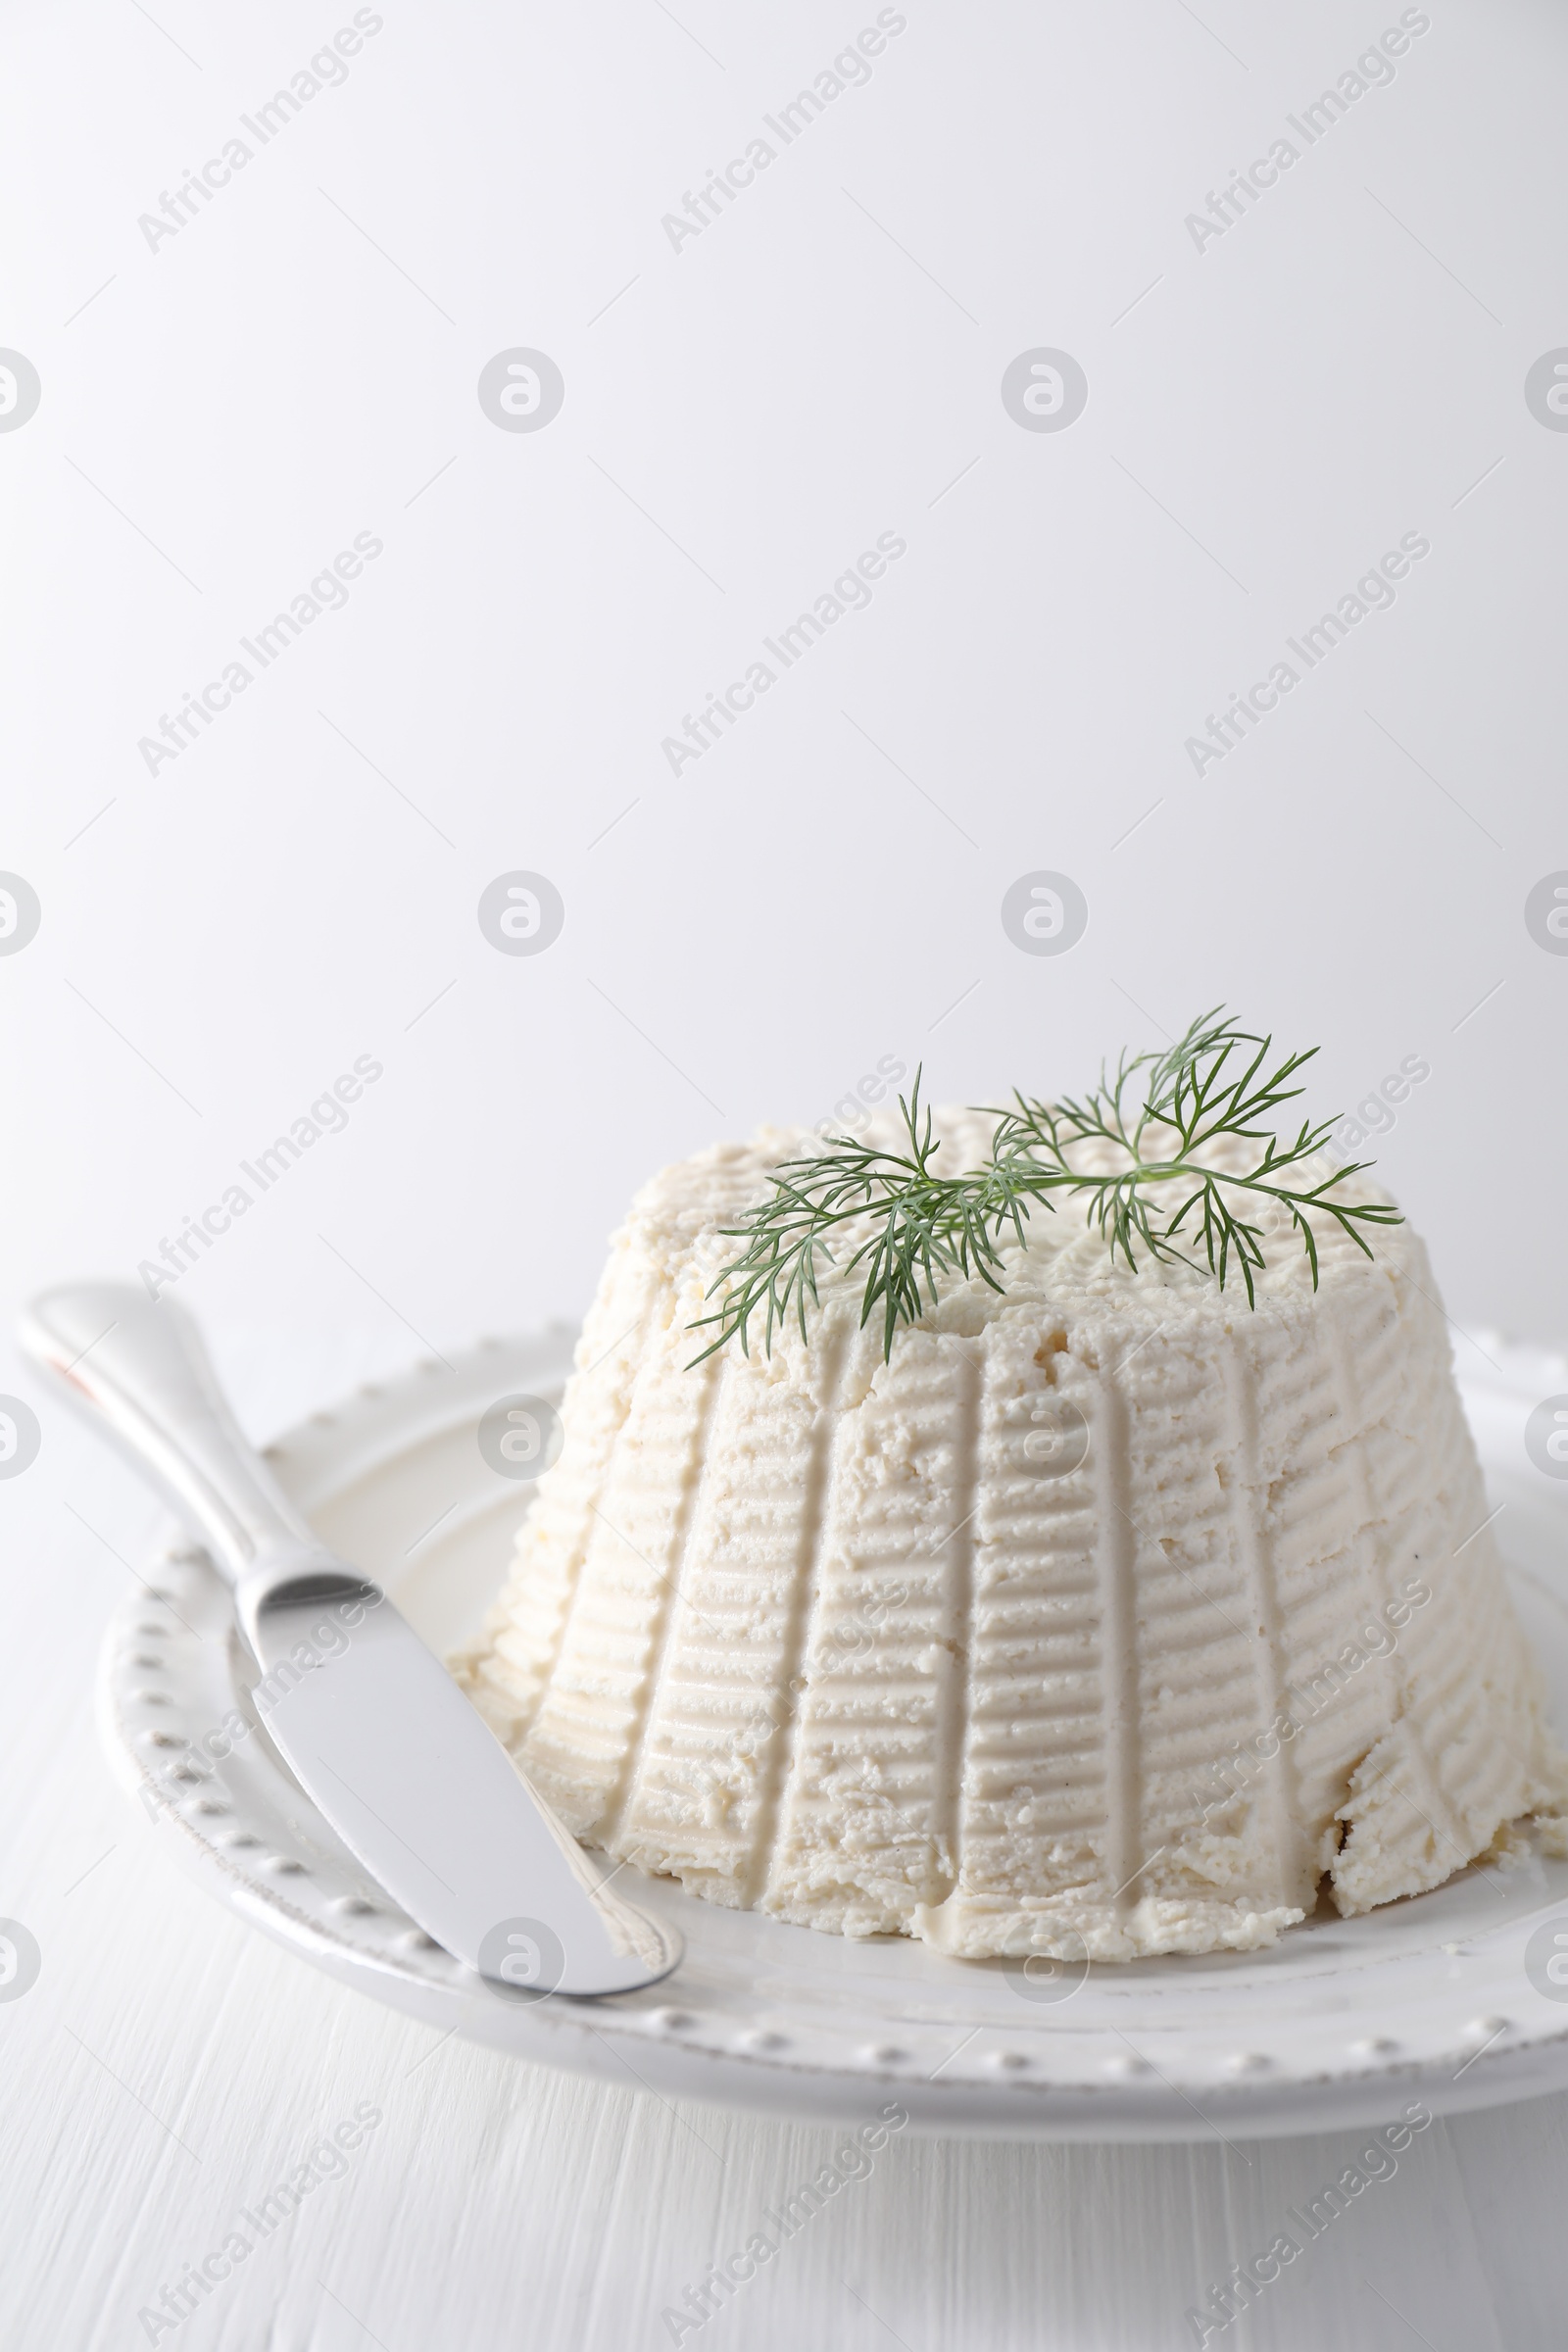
(137, 1367)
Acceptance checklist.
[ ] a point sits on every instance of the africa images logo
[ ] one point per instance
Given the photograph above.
(19, 390)
(522, 389)
(1546, 1436)
(1545, 391)
(521, 912)
(1045, 390)
(1545, 913)
(1546, 1958)
(20, 1960)
(20, 915)
(1045, 913)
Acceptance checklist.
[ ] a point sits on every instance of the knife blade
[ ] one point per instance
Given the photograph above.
(369, 1721)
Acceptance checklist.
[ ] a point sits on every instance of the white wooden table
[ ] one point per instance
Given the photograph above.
(170, 2067)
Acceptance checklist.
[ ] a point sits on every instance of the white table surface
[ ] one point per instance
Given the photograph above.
(170, 2066)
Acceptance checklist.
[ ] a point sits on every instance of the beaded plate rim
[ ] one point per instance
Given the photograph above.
(1343, 2023)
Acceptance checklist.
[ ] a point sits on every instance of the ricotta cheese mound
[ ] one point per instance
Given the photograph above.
(1109, 1615)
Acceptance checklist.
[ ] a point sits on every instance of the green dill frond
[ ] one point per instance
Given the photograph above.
(1155, 1119)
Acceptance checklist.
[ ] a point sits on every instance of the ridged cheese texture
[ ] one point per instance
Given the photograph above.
(814, 1634)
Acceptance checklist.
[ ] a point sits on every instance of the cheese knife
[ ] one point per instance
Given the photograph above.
(373, 1726)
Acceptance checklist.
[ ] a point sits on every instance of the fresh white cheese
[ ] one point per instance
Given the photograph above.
(1108, 1615)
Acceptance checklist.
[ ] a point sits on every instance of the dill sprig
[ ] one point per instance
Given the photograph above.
(1157, 1118)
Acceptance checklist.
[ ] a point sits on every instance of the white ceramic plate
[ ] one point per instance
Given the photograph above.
(1342, 2023)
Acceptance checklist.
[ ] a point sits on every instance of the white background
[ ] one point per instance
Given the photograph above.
(742, 417)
